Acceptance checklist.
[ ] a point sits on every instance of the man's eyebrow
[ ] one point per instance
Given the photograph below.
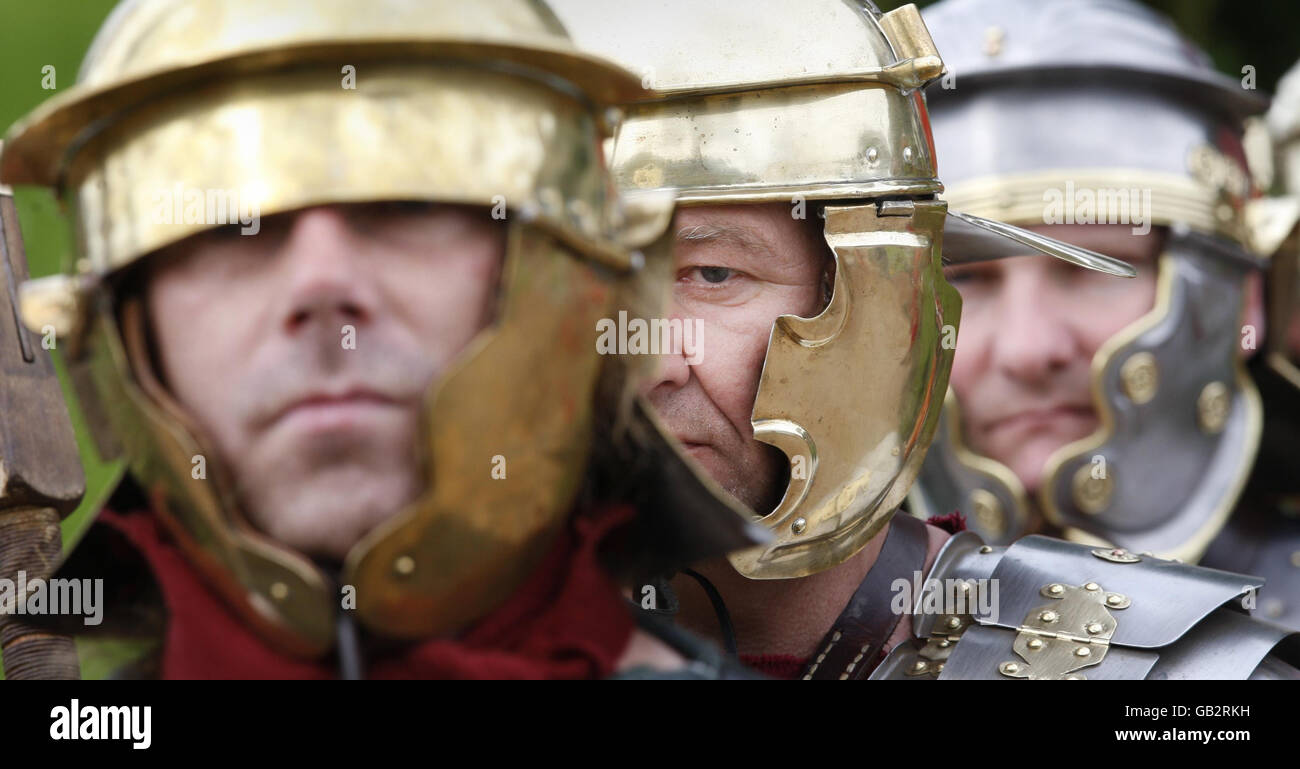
(736, 236)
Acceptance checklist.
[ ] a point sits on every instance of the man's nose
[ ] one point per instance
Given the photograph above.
(1035, 338)
(673, 370)
(326, 282)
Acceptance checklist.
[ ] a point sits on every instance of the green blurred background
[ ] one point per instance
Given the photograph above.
(37, 33)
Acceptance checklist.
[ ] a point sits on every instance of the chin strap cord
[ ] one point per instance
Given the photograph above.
(719, 608)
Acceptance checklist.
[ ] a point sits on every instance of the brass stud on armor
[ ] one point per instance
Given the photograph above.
(799, 525)
(986, 549)
(279, 591)
(1116, 555)
(1094, 628)
(1048, 616)
(1082, 651)
(920, 665)
(1092, 587)
(954, 623)
(404, 566)
(1035, 643)
(1008, 668)
(1055, 589)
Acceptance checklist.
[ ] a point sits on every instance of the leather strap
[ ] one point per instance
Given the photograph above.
(851, 648)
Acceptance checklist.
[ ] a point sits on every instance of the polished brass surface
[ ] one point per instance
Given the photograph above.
(470, 538)
(152, 48)
(1059, 639)
(816, 101)
(455, 134)
(877, 347)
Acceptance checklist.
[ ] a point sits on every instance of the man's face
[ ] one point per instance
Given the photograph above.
(304, 353)
(738, 268)
(1029, 329)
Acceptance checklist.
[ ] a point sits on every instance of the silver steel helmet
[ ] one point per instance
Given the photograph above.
(1046, 99)
(819, 102)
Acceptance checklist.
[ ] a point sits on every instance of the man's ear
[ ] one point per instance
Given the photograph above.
(1252, 316)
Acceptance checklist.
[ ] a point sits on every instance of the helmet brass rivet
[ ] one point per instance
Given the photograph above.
(1009, 668)
(987, 511)
(907, 155)
(1082, 651)
(920, 665)
(1140, 377)
(1092, 494)
(404, 566)
(1092, 586)
(873, 155)
(1055, 589)
(1035, 643)
(986, 549)
(939, 669)
(1114, 599)
(945, 644)
(1048, 616)
(1095, 628)
(279, 591)
(1212, 408)
(954, 623)
(799, 525)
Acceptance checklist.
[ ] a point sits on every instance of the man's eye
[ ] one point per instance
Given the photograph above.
(715, 274)
(959, 275)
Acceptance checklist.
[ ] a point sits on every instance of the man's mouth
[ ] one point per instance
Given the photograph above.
(1036, 419)
(693, 444)
(326, 411)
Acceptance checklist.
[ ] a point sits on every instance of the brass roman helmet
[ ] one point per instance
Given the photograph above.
(294, 103)
(815, 103)
(1081, 112)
